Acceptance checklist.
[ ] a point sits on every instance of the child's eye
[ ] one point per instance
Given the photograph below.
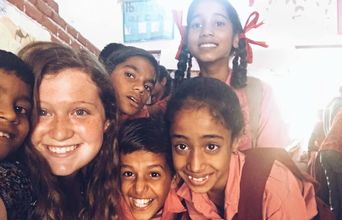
(20, 110)
(81, 112)
(181, 147)
(212, 147)
(129, 75)
(148, 87)
(155, 174)
(220, 23)
(127, 174)
(196, 25)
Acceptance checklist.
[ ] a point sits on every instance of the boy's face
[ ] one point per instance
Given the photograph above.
(145, 182)
(201, 150)
(133, 81)
(15, 110)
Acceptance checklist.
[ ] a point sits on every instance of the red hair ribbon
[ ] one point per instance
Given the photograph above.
(252, 22)
(177, 17)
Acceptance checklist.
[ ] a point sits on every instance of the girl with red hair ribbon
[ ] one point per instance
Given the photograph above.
(215, 37)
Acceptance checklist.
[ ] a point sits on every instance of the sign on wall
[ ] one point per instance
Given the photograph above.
(145, 20)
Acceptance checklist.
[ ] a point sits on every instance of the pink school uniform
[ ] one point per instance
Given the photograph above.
(285, 198)
(271, 130)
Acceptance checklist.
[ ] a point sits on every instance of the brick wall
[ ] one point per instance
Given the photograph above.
(45, 12)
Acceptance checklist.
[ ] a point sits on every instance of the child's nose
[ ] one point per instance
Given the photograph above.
(195, 161)
(140, 185)
(8, 114)
(61, 129)
(207, 31)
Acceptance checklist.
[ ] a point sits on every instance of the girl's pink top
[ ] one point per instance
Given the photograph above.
(272, 131)
(285, 198)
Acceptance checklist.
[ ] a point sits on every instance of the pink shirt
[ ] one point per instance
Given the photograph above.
(285, 198)
(272, 131)
(333, 140)
(172, 206)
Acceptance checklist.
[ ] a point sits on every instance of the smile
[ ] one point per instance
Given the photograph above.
(198, 180)
(62, 150)
(3, 134)
(141, 203)
(207, 45)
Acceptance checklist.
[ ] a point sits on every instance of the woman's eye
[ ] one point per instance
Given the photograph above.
(43, 112)
(81, 112)
(155, 174)
(212, 147)
(181, 147)
(127, 174)
(20, 110)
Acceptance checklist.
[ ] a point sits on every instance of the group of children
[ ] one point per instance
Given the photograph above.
(77, 140)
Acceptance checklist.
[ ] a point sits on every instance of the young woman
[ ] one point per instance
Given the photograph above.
(205, 122)
(72, 152)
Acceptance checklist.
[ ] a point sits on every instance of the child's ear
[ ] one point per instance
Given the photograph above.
(236, 40)
(176, 179)
(106, 125)
(235, 144)
(163, 82)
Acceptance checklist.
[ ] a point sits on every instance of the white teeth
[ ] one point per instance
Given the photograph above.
(199, 180)
(133, 99)
(142, 203)
(62, 150)
(3, 134)
(208, 45)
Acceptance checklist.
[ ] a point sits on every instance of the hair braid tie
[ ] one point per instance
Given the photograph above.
(177, 17)
(252, 22)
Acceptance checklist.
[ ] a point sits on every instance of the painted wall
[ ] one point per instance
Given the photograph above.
(23, 21)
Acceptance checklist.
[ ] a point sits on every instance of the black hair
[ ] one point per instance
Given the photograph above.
(145, 134)
(108, 49)
(209, 93)
(239, 71)
(13, 64)
(164, 74)
(120, 56)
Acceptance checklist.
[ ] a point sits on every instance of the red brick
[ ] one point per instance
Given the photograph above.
(50, 25)
(63, 36)
(34, 2)
(53, 5)
(72, 31)
(74, 44)
(18, 3)
(82, 40)
(33, 12)
(60, 21)
(44, 7)
(55, 39)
